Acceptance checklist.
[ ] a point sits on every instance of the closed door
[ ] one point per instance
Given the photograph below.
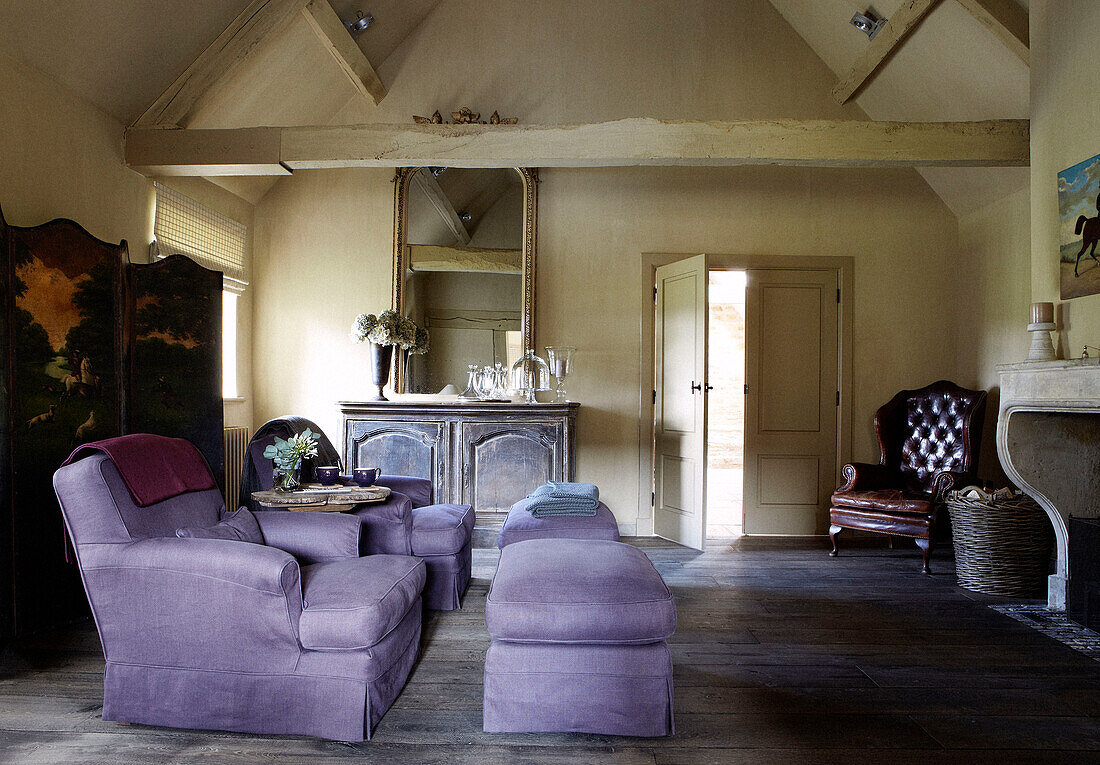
(680, 334)
(791, 403)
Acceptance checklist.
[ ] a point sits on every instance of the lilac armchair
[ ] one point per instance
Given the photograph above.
(298, 635)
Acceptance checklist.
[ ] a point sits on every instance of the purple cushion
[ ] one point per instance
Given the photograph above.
(355, 603)
(240, 526)
(419, 490)
(521, 525)
(578, 591)
(441, 529)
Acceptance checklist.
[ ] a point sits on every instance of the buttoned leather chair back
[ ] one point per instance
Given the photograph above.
(929, 430)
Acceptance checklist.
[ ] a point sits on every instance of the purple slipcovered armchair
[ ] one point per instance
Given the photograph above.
(291, 633)
(405, 524)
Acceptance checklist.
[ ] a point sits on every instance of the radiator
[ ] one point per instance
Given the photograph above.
(236, 445)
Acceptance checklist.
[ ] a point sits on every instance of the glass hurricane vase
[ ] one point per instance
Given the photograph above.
(561, 366)
(287, 479)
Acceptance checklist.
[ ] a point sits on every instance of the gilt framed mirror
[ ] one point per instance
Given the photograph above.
(464, 269)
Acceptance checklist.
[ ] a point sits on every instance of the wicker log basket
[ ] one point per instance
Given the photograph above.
(1002, 542)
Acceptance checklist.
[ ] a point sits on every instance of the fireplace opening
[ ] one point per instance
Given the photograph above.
(1083, 587)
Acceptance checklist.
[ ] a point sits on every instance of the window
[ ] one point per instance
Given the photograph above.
(229, 344)
(186, 227)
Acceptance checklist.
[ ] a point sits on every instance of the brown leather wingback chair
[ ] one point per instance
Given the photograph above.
(929, 440)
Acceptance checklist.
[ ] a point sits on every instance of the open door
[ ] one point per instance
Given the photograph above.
(791, 400)
(680, 402)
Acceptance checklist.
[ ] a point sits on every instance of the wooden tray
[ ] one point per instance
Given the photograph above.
(314, 497)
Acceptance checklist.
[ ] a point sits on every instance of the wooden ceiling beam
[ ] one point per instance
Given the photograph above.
(1007, 20)
(430, 257)
(334, 36)
(885, 44)
(628, 142)
(429, 187)
(251, 27)
(205, 153)
(236, 41)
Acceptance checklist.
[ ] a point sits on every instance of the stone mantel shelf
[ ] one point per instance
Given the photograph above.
(1047, 458)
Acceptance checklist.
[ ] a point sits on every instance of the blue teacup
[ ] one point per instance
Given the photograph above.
(327, 475)
(366, 476)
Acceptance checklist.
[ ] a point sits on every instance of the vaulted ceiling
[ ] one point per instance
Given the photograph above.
(950, 68)
(122, 54)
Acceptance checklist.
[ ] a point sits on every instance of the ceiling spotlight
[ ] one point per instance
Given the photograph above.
(359, 25)
(465, 217)
(868, 24)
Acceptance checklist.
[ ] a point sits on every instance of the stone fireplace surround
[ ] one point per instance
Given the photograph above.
(1048, 441)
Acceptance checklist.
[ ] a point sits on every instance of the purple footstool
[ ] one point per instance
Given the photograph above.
(579, 630)
(441, 537)
(521, 525)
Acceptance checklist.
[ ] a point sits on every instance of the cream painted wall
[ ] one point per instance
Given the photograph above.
(1065, 129)
(61, 157)
(994, 301)
(322, 255)
(563, 61)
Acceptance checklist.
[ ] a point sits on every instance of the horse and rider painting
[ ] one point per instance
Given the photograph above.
(1079, 233)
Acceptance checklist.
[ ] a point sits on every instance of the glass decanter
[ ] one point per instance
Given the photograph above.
(471, 384)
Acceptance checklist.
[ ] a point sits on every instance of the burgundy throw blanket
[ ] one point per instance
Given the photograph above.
(154, 468)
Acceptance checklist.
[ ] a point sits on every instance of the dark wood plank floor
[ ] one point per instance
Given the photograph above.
(782, 654)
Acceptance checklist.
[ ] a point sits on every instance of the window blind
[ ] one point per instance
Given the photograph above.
(186, 227)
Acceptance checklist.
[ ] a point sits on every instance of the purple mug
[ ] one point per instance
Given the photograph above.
(327, 475)
(366, 476)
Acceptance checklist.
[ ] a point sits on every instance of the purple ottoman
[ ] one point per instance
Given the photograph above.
(521, 525)
(442, 538)
(579, 629)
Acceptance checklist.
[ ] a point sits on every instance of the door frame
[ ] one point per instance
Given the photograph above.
(845, 269)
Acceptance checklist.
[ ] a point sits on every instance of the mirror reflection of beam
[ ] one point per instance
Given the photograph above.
(426, 183)
(430, 257)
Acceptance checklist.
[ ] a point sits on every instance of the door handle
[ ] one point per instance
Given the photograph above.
(696, 387)
(708, 386)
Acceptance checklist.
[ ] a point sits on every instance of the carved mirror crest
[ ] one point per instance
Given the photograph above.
(464, 269)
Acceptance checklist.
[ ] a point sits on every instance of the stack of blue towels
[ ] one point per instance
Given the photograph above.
(553, 499)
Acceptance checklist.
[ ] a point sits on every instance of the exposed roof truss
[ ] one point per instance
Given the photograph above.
(251, 27)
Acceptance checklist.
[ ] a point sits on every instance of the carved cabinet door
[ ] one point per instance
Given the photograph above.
(416, 449)
(503, 462)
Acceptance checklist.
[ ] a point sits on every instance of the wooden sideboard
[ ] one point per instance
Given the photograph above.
(488, 455)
